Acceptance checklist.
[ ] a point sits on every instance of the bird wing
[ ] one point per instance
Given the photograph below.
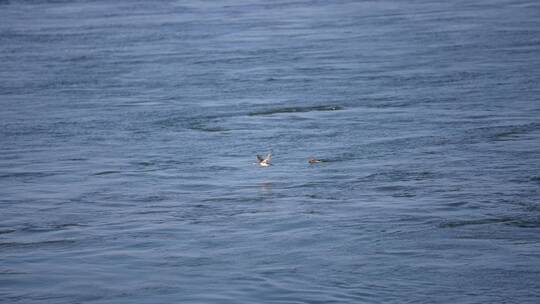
(268, 157)
(259, 158)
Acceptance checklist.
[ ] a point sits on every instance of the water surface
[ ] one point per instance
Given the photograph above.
(128, 134)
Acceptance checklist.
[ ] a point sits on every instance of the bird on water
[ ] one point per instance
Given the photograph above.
(313, 160)
(266, 161)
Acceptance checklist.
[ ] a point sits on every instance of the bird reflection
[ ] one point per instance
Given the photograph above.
(266, 187)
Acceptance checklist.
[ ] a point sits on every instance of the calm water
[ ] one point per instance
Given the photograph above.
(128, 134)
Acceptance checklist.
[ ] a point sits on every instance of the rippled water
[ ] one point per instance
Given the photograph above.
(129, 131)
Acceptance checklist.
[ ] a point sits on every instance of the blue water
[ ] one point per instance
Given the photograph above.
(129, 129)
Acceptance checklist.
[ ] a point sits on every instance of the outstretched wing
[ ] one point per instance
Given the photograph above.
(259, 158)
(268, 157)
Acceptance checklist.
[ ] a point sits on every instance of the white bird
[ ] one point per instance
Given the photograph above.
(264, 162)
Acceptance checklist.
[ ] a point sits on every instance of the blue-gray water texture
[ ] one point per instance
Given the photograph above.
(129, 129)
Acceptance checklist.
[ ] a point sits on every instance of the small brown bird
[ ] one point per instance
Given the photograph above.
(313, 160)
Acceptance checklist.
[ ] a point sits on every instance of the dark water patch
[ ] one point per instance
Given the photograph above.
(217, 168)
(390, 188)
(398, 176)
(480, 116)
(229, 60)
(67, 225)
(6, 231)
(143, 163)
(457, 204)
(36, 245)
(46, 129)
(323, 197)
(48, 227)
(395, 145)
(487, 221)
(152, 198)
(199, 119)
(107, 172)
(177, 162)
(534, 178)
(398, 190)
(524, 223)
(76, 159)
(189, 261)
(308, 185)
(115, 205)
(211, 202)
(207, 127)
(295, 110)
(384, 103)
(499, 133)
(148, 212)
(11, 272)
(511, 134)
(532, 207)
(344, 157)
(404, 193)
(25, 175)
